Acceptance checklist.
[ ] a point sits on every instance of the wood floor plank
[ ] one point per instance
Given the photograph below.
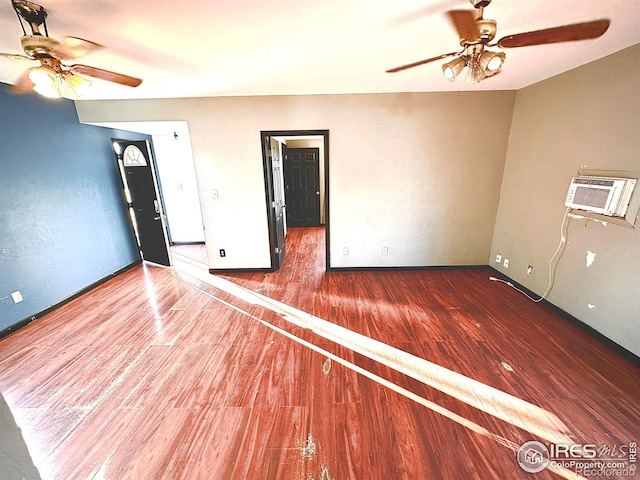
(216, 444)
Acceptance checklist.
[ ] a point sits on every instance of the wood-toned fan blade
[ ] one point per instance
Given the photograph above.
(421, 62)
(105, 75)
(22, 85)
(566, 33)
(74, 47)
(465, 24)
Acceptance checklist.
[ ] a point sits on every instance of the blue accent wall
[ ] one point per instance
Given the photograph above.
(63, 222)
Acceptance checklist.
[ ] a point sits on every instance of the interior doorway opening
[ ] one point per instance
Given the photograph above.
(177, 184)
(281, 179)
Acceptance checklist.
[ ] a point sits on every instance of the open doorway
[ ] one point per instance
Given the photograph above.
(177, 184)
(310, 179)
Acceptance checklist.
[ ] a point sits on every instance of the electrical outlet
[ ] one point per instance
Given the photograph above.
(529, 270)
(345, 251)
(223, 253)
(17, 296)
(385, 250)
(506, 263)
(498, 258)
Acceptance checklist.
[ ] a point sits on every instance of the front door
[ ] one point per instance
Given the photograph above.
(302, 186)
(143, 198)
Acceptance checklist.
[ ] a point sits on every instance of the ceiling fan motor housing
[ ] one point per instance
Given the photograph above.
(485, 33)
(487, 29)
(38, 46)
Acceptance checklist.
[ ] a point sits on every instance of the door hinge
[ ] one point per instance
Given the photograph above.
(277, 250)
(273, 204)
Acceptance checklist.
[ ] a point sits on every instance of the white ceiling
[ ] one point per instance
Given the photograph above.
(278, 47)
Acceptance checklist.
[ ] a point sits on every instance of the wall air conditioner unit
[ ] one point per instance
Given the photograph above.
(604, 195)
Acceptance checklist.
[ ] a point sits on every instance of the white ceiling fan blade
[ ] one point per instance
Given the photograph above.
(15, 56)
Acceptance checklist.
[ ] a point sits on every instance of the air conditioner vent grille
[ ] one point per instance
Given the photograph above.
(595, 197)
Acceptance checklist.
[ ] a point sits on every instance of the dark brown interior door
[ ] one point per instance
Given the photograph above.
(142, 196)
(302, 187)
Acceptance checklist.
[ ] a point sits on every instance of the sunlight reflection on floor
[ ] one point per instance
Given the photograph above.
(504, 406)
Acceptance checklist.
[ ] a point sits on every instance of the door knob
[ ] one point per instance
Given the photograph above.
(157, 217)
(317, 192)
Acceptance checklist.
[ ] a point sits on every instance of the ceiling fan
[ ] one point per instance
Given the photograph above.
(476, 33)
(52, 76)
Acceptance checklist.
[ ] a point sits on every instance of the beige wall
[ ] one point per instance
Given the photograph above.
(586, 118)
(419, 174)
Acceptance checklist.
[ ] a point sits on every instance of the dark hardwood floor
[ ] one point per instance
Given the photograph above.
(304, 374)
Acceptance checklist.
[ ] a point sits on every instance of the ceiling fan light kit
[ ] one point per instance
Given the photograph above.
(50, 81)
(479, 66)
(79, 84)
(44, 81)
(476, 33)
(492, 61)
(453, 68)
(52, 78)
